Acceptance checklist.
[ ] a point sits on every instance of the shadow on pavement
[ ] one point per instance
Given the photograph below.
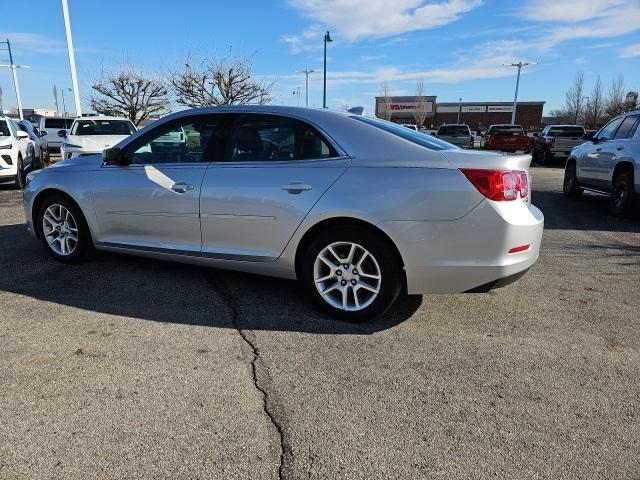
(170, 292)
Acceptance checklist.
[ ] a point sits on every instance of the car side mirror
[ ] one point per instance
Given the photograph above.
(62, 133)
(43, 134)
(114, 156)
(589, 137)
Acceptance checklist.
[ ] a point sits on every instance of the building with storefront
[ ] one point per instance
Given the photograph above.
(475, 114)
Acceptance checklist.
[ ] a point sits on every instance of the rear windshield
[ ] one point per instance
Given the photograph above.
(566, 132)
(454, 130)
(102, 127)
(60, 123)
(4, 129)
(418, 138)
(506, 130)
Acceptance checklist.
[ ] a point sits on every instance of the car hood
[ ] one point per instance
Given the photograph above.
(85, 162)
(95, 143)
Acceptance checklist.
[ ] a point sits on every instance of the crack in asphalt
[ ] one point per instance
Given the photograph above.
(231, 302)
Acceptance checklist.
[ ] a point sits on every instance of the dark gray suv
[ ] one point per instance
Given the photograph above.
(609, 163)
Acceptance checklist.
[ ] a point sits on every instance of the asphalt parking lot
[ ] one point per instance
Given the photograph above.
(129, 368)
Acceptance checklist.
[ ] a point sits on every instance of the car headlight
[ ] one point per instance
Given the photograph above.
(6, 147)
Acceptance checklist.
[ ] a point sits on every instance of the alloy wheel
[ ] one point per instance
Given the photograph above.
(347, 276)
(60, 229)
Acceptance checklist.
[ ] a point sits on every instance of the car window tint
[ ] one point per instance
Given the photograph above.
(58, 123)
(424, 140)
(566, 132)
(102, 127)
(4, 129)
(454, 130)
(627, 126)
(606, 132)
(506, 130)
(274, 138)
(182, 141)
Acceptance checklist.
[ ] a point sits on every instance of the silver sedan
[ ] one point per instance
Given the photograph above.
(357, 209)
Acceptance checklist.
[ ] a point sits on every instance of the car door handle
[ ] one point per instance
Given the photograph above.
(181, 187)
(619, 148)
(296, 187)
(598, 149)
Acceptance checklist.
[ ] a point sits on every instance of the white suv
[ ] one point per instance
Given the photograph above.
(17, 153)
(91, 135)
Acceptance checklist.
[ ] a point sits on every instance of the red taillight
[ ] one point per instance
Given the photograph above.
(498, 185)
(521, 248)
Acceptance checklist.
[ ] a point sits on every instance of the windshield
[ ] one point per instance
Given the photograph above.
(57, 123)
(566, 132)
(102, 127)
(401, 131)
(454, 130)
(506, 130)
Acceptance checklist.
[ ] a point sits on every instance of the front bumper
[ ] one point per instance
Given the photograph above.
(469, 253)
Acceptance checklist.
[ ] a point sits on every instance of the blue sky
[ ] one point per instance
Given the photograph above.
(457, 46)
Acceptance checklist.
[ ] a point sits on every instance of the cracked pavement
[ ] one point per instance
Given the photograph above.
(130, 368)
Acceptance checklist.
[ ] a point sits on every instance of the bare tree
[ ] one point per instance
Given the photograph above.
(594, 110)
(616, 97)
(219, 81)
(384, 109)
(574, 99)
(129, 93)
(420, 112)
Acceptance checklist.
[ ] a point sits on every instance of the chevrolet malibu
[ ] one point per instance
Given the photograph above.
(358, 209)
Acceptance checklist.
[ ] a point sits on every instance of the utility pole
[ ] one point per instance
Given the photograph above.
(327, 39)
(459, 109)
(306, 72)
(72, 58)
(520, 64)
(1, 109)
(13, 68)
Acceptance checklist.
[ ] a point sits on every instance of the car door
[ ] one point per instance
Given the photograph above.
(620, 147)
(154, 202)
(274, 170)
(592, 164)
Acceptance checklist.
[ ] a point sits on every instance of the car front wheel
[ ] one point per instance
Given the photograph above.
(352, 273)
(63, 229)
(622, 195)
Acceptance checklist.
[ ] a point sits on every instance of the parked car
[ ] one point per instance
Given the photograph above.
(52, 125)
(17, 153)
(556, 141)
(91, 135)
(506, 138)
(39, 139)
(325, 197)
(456, 134)
(609, 163)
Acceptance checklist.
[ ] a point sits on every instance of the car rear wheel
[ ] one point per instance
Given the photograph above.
(622, 195)
(63, 229)
(570, 186)
(351, 273)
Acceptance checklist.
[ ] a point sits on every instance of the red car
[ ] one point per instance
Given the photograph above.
(507, 138)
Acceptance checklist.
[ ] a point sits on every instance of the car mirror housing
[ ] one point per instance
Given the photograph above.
(62, 133)
(43, 134)
(114, 156)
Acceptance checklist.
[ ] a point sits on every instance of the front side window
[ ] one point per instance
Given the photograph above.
(102, 127)
(427, 141)
(274, 138)
(606, 132)
(185, 140)
(627, 127)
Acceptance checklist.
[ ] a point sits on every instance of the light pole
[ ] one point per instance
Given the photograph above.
(64, 107)
(306, 72)
(459, 109)
(520, 64)
(586, 110)
(296, 91)
(13, 68)
(327, 39)
(72, 58)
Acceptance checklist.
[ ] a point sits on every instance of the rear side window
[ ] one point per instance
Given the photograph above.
(275, 138)
(59, 123)
(418, 138)
(4, 129)
(566, 132)
(627, 127)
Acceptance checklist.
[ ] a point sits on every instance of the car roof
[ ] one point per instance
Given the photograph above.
(567, 125)
(101, 117)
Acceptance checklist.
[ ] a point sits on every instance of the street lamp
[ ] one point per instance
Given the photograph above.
(327, 39)
(459, 109)
(520, 64)
(64, 107)
(72, 58)
(296, 91)
(13, 68)
(306, 72)
(586, 110)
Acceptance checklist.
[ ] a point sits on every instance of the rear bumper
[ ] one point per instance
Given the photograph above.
(469, 254)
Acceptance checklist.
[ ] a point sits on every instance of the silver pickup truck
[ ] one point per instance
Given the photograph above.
(556, 141)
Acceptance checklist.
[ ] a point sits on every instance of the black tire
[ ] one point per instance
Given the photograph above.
(21, 179)
(391, 279)
(570, 186)
(84, 244)
(623, 196)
